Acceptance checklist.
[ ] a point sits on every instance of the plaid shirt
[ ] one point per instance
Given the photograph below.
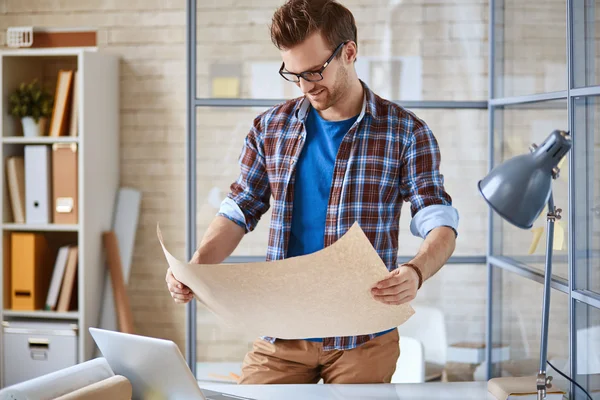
(388, 156)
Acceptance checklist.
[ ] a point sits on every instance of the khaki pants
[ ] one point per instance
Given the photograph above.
(301, 361)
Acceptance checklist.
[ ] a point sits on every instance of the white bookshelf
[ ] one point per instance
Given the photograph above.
(98, 173)
(39, 140)
(70, 315)
(41, 228)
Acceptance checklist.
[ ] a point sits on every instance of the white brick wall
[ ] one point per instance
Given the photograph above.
(450, 38)
(149, 37)
(535, 47)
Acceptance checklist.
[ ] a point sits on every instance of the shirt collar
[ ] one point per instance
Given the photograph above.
(369, 105)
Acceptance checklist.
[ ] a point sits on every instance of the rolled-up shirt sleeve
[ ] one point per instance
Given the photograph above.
(422, 184)
(431, 217)
(250, 193)
(230, 210)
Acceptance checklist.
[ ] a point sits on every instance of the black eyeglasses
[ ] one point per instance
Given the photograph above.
(310, 76)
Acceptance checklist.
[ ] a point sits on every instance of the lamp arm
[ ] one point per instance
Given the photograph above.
(543, 382)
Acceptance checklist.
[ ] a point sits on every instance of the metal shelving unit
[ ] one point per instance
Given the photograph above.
(577, 287)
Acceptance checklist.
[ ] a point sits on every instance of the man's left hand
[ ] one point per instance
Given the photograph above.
(399, 287)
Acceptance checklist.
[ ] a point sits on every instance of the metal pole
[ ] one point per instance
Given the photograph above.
(190, 206)
(542, 379)
(490, 242)
(572, 210)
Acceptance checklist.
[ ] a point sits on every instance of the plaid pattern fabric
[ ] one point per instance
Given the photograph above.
(388, 156)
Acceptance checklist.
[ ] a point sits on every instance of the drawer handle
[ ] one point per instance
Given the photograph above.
(39, 356)
(38, 344)
(38, 348)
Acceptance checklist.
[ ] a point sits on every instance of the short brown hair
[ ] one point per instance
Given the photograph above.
(294, 21)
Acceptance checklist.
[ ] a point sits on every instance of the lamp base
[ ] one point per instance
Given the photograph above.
(522, 388)
(543, 384)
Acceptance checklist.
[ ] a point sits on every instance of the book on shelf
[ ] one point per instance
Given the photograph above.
(68, 291)
(59, 122)
(57, 278)
(15, 175)
(73, 126)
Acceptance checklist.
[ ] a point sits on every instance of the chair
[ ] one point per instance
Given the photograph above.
(428, 325)
(410, 367)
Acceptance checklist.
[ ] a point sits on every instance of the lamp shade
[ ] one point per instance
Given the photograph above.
(519, 188)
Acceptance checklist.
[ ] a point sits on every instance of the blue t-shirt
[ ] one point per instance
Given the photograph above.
(314, 173)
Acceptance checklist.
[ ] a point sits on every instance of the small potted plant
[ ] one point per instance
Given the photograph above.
(33, 105)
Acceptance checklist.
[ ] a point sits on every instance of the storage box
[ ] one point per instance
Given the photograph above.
(32, 349)
(32, 36)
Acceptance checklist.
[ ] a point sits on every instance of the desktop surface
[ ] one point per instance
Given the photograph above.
(412, 391)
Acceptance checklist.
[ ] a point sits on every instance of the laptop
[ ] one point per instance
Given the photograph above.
(155, 367)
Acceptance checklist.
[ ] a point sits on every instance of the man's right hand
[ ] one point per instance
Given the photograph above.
(180, 293)
(219, 241)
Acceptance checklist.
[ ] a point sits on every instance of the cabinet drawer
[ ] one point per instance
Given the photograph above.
(33, 349)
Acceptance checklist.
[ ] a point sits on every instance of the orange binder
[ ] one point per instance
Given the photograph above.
(6, 271)
(30, 272)
(64, 183)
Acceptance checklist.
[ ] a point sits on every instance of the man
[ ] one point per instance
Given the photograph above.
(339, 154)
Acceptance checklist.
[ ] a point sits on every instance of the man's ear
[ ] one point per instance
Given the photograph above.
(351, 52)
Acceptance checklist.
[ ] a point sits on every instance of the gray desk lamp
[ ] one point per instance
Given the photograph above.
(518, 190)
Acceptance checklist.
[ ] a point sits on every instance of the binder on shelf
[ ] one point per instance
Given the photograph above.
(68, 290)
(59, 122)
(30, 273)
(15, 176)
(57, 278)
(64, 183)
(6, 272)
(37, 184)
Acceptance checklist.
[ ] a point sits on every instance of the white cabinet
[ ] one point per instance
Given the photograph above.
(97, 141)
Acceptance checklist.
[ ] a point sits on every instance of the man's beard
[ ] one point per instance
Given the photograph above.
(331, 97)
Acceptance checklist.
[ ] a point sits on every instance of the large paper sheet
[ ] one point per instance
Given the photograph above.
(323, 294)
(61, 382)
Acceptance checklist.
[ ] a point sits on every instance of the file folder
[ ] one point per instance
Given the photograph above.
(37, 184)
(30, 272)
(64, 183)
